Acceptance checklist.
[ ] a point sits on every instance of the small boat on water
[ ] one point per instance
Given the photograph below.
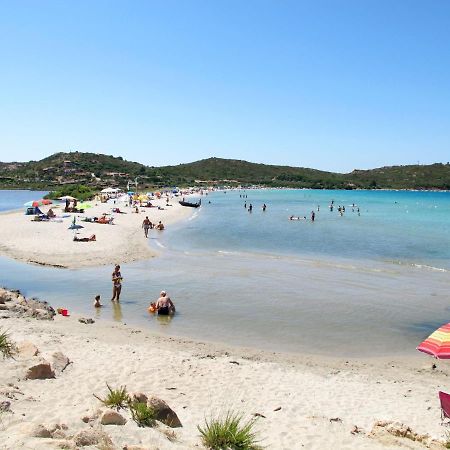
(191, 205)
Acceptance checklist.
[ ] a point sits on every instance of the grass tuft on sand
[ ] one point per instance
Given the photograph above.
(116, 398)
(229, 432)
(142, 414)
(7, 347)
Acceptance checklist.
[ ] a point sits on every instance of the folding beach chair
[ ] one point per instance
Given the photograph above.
(445, 406)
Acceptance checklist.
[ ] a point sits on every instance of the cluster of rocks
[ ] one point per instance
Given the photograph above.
(387, 431)
(14, 304)
(95, 434)
(37, 366)
(68, 440)
(163, 412)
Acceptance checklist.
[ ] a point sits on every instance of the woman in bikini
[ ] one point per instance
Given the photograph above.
(117, 283)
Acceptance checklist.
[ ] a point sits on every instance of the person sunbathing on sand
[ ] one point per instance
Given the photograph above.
(164, 305)
(85, 239)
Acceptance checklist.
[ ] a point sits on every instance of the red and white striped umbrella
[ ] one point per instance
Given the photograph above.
(438, 343)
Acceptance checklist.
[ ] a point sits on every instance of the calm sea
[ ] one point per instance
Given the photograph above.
(369, 283)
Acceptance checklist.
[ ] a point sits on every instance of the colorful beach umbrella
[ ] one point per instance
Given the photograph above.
(35, 203)
(438, 343)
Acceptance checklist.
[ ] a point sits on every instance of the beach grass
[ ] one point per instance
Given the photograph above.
(447, 439)
(142, 414)
(116, 398)
(7, 347)
(229, 432)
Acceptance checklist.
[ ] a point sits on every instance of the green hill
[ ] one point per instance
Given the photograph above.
(97, 171)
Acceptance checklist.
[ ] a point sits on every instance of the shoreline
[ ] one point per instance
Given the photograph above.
(309, 401)
(51, 243)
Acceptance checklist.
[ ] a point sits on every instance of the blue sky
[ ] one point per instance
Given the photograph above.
(334, 85)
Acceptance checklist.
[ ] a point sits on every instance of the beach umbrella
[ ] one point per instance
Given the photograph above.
(74, 225)
(46, 201)
(438, 343)
(35, 203)
(66, 197)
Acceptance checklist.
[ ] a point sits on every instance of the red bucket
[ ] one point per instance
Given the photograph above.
(65, 312)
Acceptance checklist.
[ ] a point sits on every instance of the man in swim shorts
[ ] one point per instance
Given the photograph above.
(164, 304)
(146, 224)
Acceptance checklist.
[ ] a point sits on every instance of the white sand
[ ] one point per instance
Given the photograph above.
(51, 243)
(204, 381)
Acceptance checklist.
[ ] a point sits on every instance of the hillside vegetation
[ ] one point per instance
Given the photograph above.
(98, 171)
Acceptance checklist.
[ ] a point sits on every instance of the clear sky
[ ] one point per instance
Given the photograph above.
(333, 85)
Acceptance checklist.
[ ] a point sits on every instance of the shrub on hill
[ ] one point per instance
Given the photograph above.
(78, 191)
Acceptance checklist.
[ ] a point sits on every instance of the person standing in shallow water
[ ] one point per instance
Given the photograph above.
(117, 283)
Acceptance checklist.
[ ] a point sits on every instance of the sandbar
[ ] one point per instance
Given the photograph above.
(51, 243)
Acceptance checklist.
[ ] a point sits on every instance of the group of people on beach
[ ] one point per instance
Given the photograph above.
(148, 225)
(163, 305)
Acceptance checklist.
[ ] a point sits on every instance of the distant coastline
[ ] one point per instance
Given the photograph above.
(98, 170)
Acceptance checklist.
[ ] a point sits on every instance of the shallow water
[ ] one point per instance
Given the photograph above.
(351, 285)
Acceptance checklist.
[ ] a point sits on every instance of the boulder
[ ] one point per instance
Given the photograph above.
(163, 412)
(92, 436)
(111, 417)
(8, 296)
(139, 397)
(40, 371)
(27, 349)
(40, 431)
(59, 362)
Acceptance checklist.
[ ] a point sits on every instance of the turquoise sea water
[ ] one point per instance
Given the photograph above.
(368, 284)
(406, 227)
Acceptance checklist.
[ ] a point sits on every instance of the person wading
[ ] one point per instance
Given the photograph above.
(117, 283)
(146, 225)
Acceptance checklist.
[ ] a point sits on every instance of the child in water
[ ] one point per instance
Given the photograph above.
(97, 303)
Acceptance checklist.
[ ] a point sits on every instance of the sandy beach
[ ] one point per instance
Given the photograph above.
(302, 401)
(51, 243)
